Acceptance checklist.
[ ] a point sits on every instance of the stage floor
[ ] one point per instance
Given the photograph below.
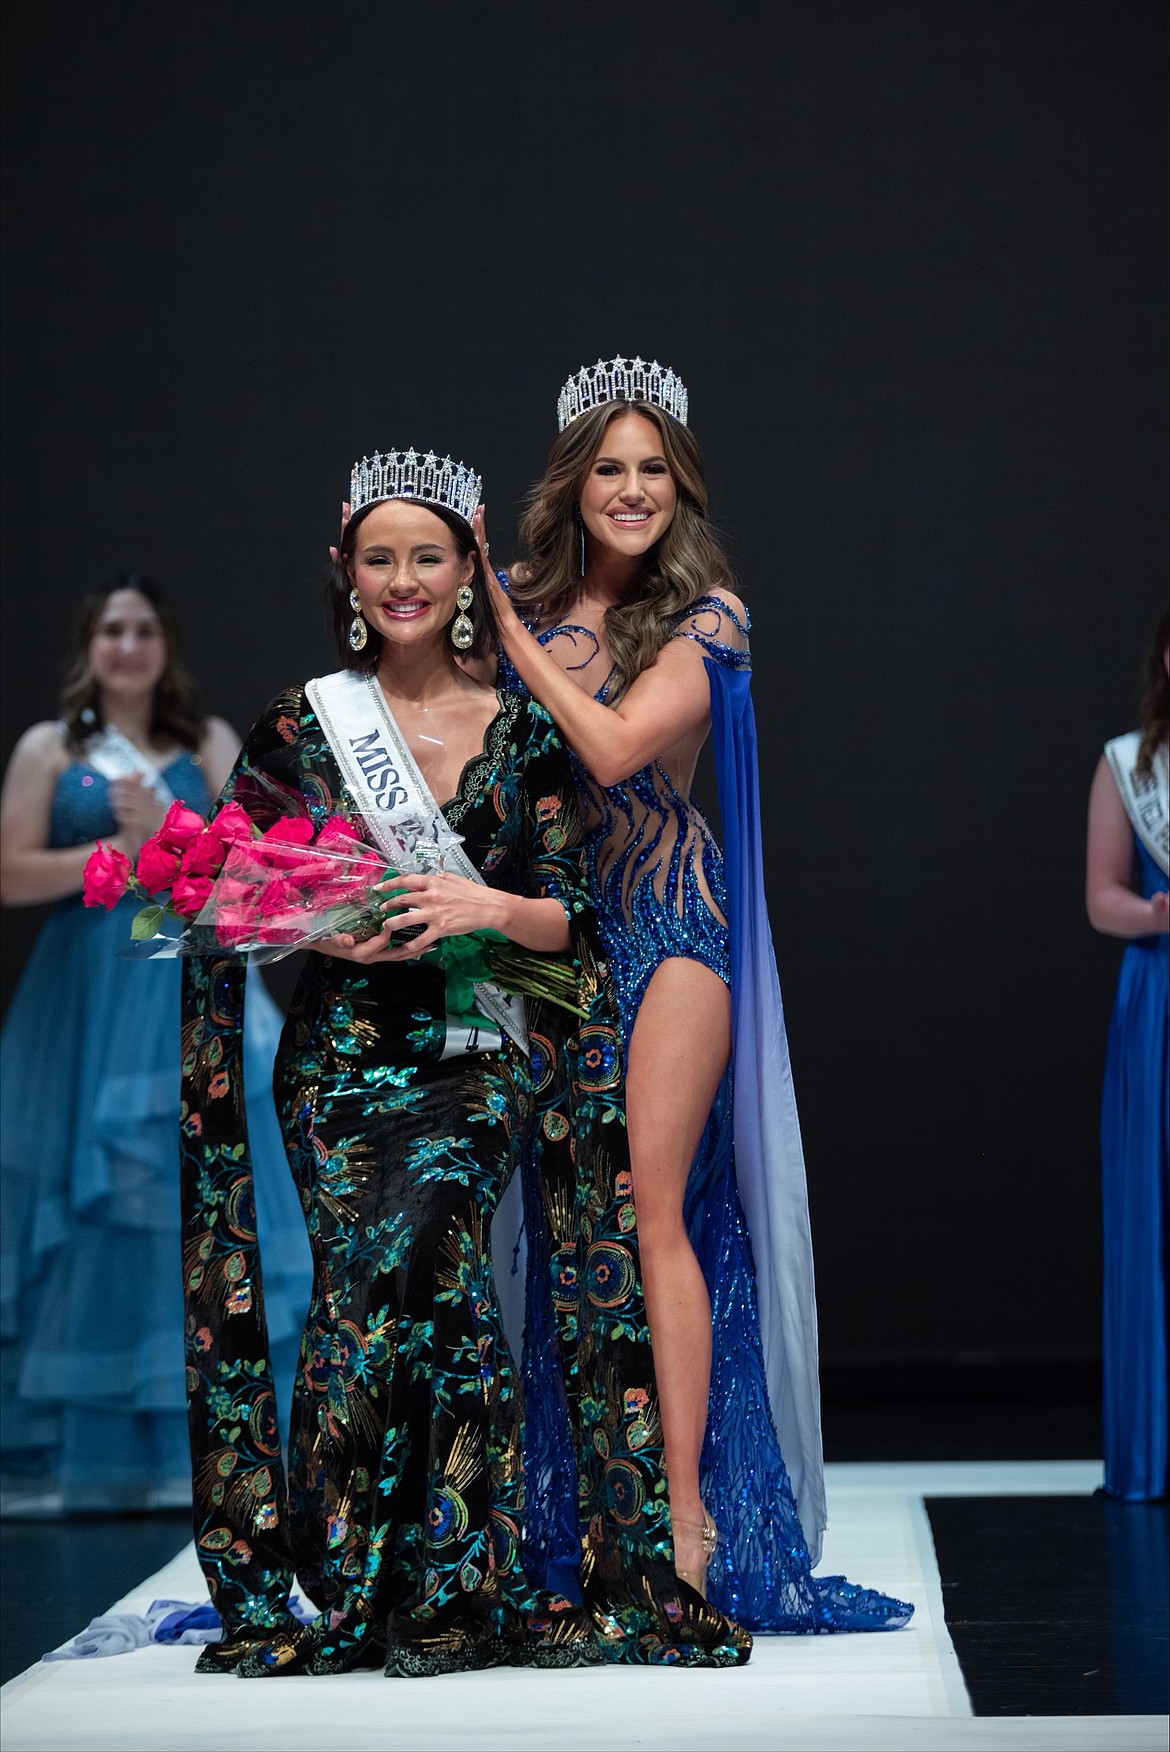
(904, 1690)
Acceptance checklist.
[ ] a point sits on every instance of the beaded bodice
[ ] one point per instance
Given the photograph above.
(655, 868)
(81, 809)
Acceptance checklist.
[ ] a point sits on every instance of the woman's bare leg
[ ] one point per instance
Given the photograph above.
(678, 1052)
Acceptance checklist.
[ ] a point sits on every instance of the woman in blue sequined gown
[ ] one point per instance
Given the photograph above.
(94, 1412)
(1126, 896)
(628, 631)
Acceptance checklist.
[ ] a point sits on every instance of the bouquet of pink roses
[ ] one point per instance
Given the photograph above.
(268, 893)
(235, 887)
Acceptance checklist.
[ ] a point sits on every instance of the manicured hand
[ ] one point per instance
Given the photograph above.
(446, 906)
(443, 904)
(497, 595)
(335, 552)
(347, 948)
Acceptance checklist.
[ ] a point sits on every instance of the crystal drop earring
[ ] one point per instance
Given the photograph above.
(462, 627)
(358, 631)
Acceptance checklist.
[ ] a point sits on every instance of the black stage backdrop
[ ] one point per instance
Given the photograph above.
(909, 259)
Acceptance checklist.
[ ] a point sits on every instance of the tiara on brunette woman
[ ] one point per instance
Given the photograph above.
(622, 380)
(404, 474)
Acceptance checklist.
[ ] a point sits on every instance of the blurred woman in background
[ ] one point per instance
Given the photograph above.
(91, 1361)
(1126, 896)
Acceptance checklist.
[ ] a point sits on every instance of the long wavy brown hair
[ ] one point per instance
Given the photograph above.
(685, 564)
(177, 716)
(1155, 713)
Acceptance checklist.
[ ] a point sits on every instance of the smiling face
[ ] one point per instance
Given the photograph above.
(406, 568)
(128, 648)
(628, 496)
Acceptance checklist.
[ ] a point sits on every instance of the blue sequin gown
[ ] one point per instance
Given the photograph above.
(1135, 1161)
(661, 889)
(91, 1345)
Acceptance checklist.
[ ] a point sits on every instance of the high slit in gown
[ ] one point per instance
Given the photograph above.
(661, 888)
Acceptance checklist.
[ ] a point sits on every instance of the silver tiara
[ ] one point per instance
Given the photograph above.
(622, 380)
(404, 474)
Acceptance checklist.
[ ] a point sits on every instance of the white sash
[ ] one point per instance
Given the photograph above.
(1146, 796)
(114, 756)
(404, 818)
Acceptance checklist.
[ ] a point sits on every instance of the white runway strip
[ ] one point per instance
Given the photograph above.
(892, 1692)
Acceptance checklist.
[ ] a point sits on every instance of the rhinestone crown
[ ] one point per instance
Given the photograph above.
(622, 380)
(404, 474)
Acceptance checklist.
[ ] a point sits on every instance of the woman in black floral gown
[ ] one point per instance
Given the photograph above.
(404, 1509)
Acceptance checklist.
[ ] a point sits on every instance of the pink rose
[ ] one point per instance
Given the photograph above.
(324, 881)
(280, 934)
(369, 865)
(293, 830)
(205, 854)
(310, 873)
(278, 899)
(180, 826)
(190, 894)
(337, 833)
(106, 877)
(339, 893)
(278, 846)
(246, 862)
(157, 865)
(349, 882)
(229, 891)
(235, 925)
(233, 824)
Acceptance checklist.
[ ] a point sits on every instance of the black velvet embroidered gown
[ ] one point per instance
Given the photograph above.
(403, 1515)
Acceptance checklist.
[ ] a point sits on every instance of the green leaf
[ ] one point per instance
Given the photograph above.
(145, 923)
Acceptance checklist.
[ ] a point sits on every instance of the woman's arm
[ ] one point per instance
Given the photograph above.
(1110, 901)
(661, 705)
(448, 906)
(30, 872)
(217, 754)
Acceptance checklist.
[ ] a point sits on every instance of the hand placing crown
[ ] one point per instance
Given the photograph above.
(622, 380)
(404, 474)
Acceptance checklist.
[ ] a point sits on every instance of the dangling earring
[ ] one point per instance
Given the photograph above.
(358, 631)
(580, 522)
(462, 628)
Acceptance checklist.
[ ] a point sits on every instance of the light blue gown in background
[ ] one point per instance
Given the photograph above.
(92, 1403)
(1135, 1163)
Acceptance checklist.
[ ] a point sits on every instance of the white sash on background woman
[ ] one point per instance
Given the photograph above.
(1146, 795)
(114, 756)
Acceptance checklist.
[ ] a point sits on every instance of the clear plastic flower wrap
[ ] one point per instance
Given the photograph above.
(282, 892)
(224, 884)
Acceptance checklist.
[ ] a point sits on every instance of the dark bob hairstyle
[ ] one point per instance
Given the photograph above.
(338, 587)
